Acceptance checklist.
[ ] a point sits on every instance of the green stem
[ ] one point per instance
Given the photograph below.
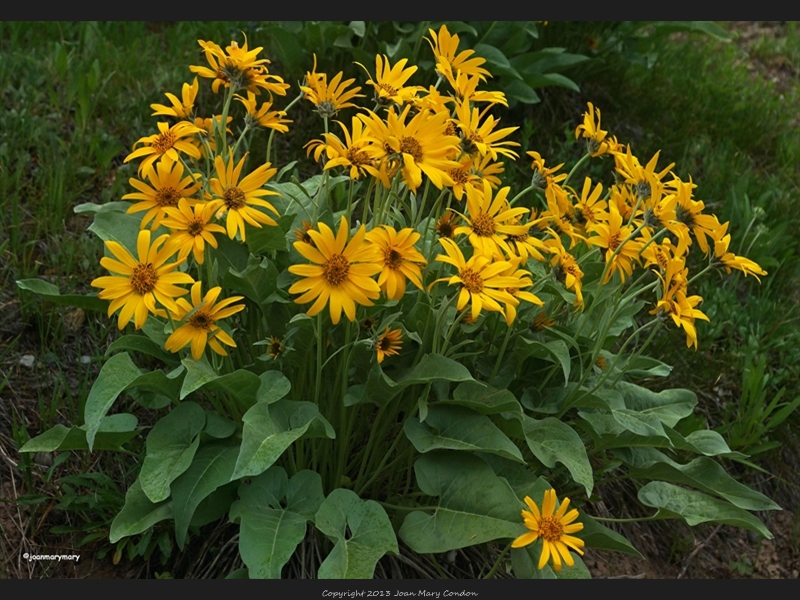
(500, 355)
(576, 167)
(497, 563)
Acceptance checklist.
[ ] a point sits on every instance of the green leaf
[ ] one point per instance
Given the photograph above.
(257, 282)
(484, 399)
(270, 529)
(597, 535)
(248, 388)
(522, 92)
(670, 406)
(143, 345)
(171, 446)
(117, 227)
(540, 80)
(362, 532)
(555, 351)
(493, 56)
(702, 473)
(212, 467)
(269, 238)
(269, 429)
(640, 423)
(74, 438)
(218, 426)
(457, 428)
(524, 562)
(118, 372)
(273, 387)
(51, 292)
(475, 505)
(695, 507)
(380, 388)
(215, 505)
(138, 514)
(553, 441)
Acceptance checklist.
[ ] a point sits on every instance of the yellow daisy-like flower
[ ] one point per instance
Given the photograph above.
(238, 66)
(272, 119)
(275, 348)
(212, 127)
(466, 89)
(597, 139)
(422, 143)
(565, 267)
(477, 137)
(329, 98)
(201, 327)
(191, 229)
(180, 108)
(491, 219)
(390, 82)
(139, 284)
(554, 528)
(169, 141)
(480, 280)
(358, 154)
(389, 344)
(729, 260)
(239, 198)
(400, 259)
(609, 235)
(449, 59)
(544, 176)
(342, 271)
(168, 187)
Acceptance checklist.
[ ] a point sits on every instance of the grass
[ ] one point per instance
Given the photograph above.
(75, 99)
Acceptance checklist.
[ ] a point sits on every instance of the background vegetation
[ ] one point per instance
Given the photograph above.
(75, 98)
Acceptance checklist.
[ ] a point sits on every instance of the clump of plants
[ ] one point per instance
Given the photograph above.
(399, 348)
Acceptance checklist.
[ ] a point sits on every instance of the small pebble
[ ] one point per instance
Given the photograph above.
(85, 360)
(27, 360)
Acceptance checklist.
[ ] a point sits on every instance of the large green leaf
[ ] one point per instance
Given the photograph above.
(475, 505)
(143, 345)
(117, 374)
(138, 514)
(269, 429)
(458, 428)
(171, 446)
(362, 532)
(51, 292)
(114, 431)
(702, 473)
(601, 537)
(117, 227)
(269, 239)
(553, 441)
(695, 507)
(270, 529)
(247, 387)
(212, 467)
(670, 406)
(257, 282)
(380, 388)
(555, 351)
(484, 399)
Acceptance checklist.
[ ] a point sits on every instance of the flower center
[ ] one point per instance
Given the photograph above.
(326, 108)
(335, 270)
(684, 215)
(144, 278)
(390, 90)
(392, 258)
(459, 176)
(471, 280)
(410, 145)
(167, 196)
(483, 225)
(444, 226)
(201, 320)
(614, 241)
(551, 529)
(358, 157)
(195, 227)
(164, 141)
(234, 198)
(385, 343)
